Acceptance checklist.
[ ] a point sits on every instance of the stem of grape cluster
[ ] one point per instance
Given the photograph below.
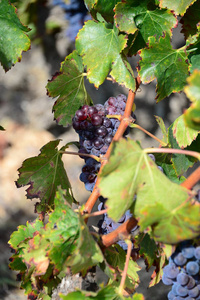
(124, 273)
(148, 133)
(120, 131)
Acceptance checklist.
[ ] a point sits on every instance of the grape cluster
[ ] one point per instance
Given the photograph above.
(96, 132)
(183, 273)
(107, 225)
(76, 13)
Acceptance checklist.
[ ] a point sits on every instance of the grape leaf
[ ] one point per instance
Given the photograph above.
(190, 19)
(116, 257)
(44, 173)
(180, 162)
(44, 255)
(109, 292)
(178, 6)
(135, 173)
(193, 49)
(148, 249)
(192, 90)
(145, 17)
(164, 63)
(158, 272)
(90, 3)
(105, 8)
(183, 134)
(68, 86)
(1, 128)
(192, 116)
(161, 124)
(100, 48)
(87, 252)
(13, 38)
(171, 226)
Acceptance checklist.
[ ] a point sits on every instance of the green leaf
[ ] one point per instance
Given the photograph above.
(68, 86)
(171, 226)
(192, 116)
(90, 3)
(180, 162)
(13, 38)
(161, 124)
(100, 48)
(190, 19)
(192, 90)
(166, 64)
(193, 50)
(1, 128)
(116, 257)
(106, 293)
(148, 249)
(106, 9)
(87, 252)
(158, 272)
(145, 17)
(183, 134)
(44, 173)
(135, 173)
(24, 232)
(178, 6)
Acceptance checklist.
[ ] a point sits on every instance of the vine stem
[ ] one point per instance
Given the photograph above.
(122, 231)
(119, 133)
(124, 273)
(81, 154)
(192, 179)
(96, 213)
(173, 151)
(148, 133)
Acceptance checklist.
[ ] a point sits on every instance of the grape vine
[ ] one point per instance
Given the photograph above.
(149, 206)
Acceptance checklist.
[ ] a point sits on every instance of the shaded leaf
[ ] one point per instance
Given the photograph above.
(164, 63)
(178, 6)
(145, 17)
(106, 293)
(190, 19)
(161, 124)
(105, 8)
(193, 50)
(183, 134)
(192, 116)
(100, 48)
(148, 249)
(135, 173)
(68, 86)
(13, 38)
(116, 257)
(44, 173)
(1, 128)
(192, 90)
(180, 162)
(158, 272)
(87, 253)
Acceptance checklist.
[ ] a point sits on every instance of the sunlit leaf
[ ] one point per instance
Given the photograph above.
(44, 173)
(178, 6)
(100, 48)
(68, 86)
(160, 61)
(130, 171)
(13, 38)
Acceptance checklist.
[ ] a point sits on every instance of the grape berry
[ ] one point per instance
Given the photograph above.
(182, 273)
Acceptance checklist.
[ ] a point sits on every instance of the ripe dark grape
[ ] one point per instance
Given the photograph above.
(186, 284)
(96, 120)
(96, 132)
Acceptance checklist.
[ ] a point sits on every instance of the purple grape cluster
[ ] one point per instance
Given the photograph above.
(96, 132)
(183, 273)
(76, 13)
(107, 225)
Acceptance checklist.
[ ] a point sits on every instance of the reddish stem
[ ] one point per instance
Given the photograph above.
(122, 231)
(192, 179)
(122, 127)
